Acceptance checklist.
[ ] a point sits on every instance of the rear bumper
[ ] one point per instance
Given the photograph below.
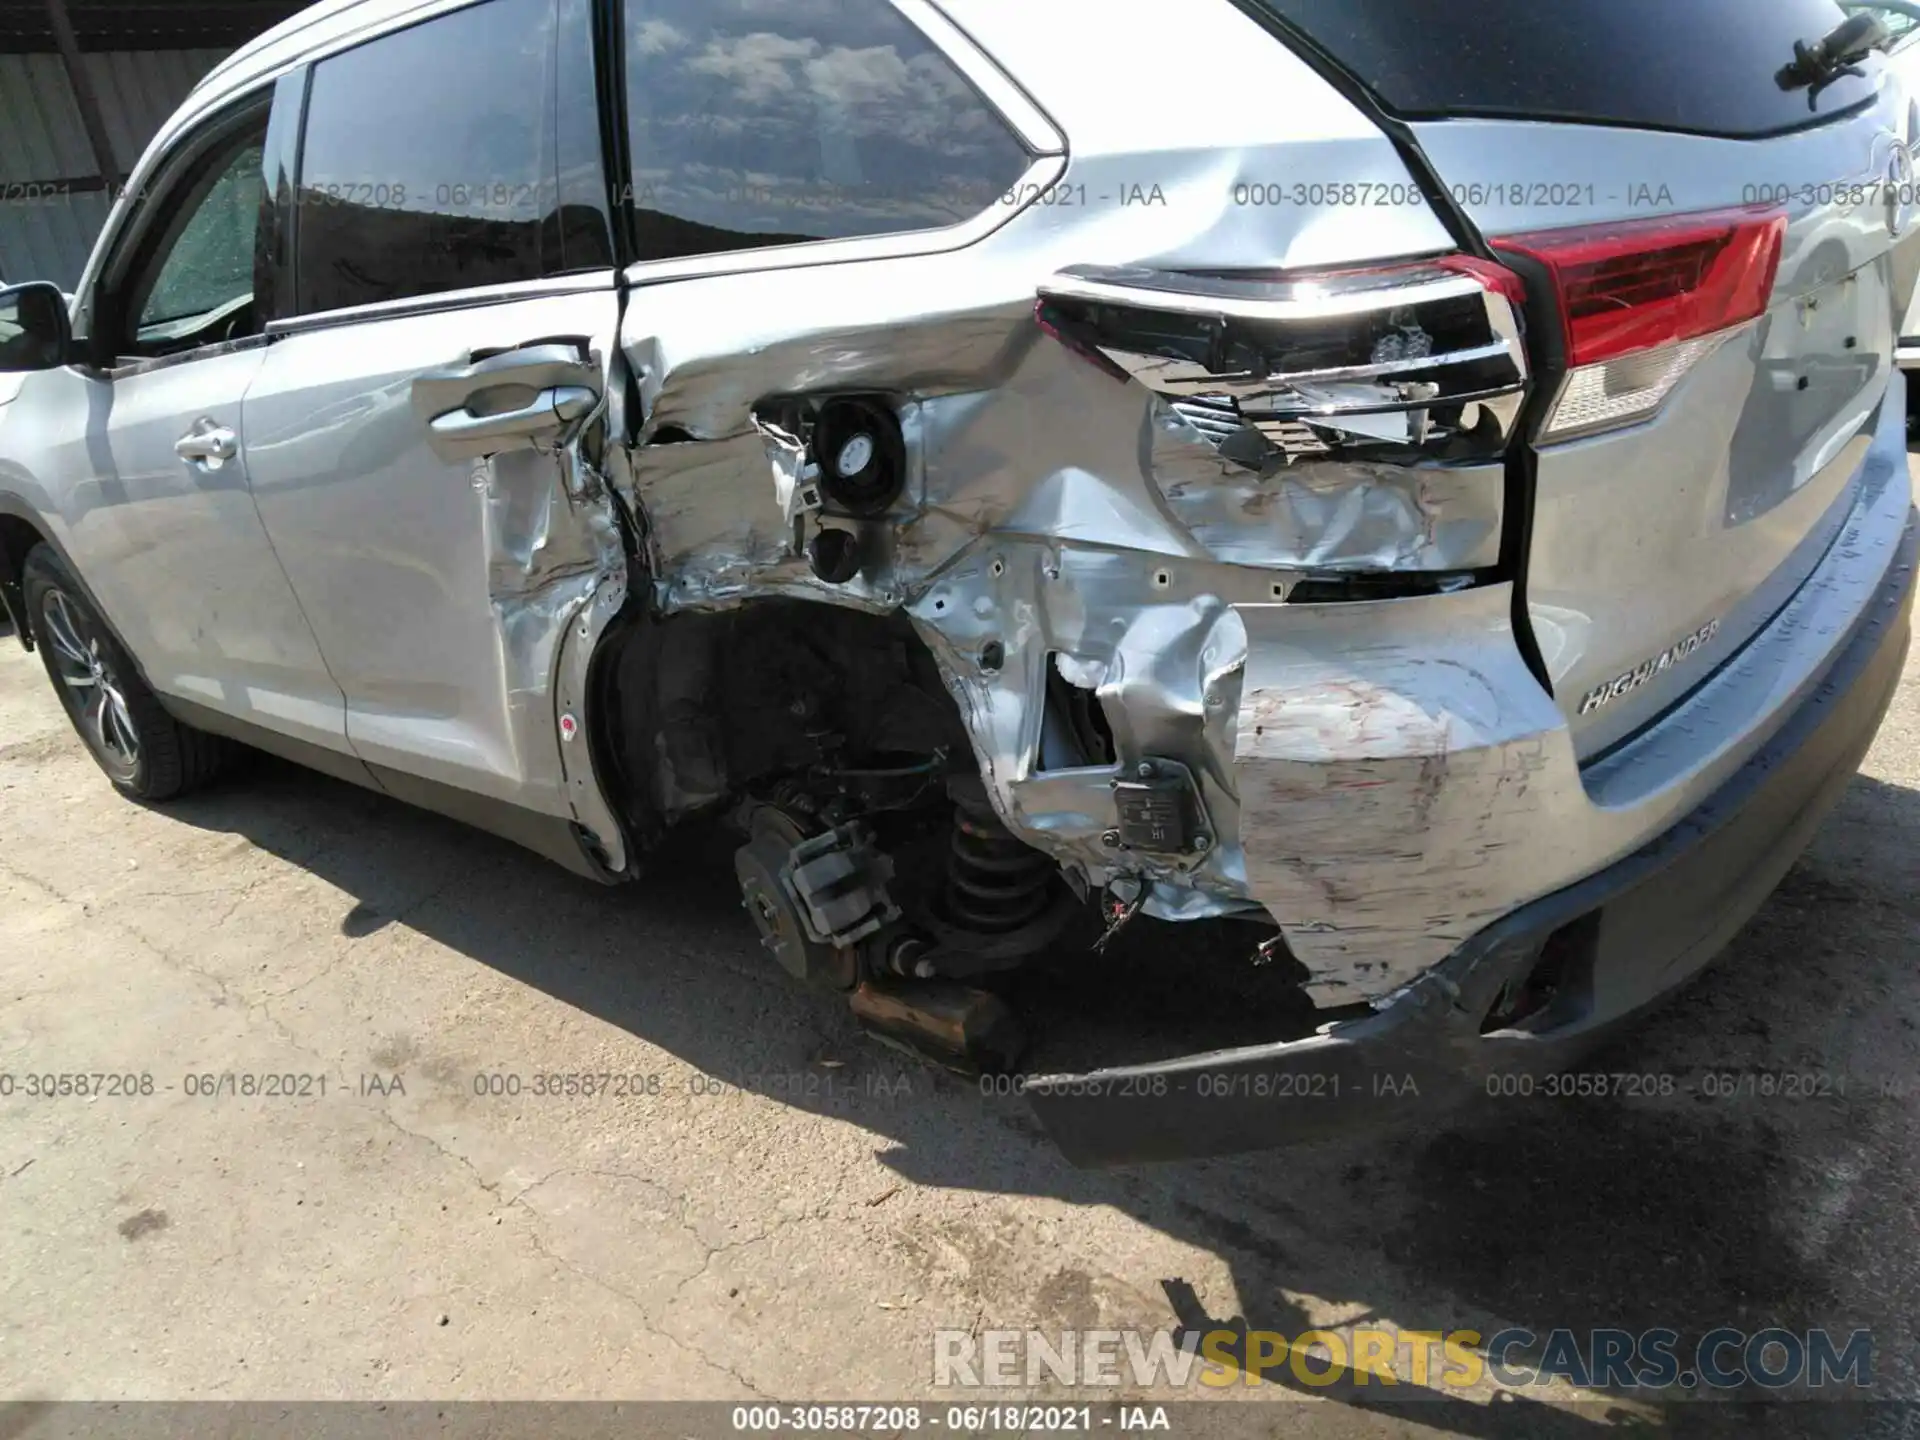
(1618, 941)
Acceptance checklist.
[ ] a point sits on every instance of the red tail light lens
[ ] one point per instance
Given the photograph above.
(1644, 301)
(1633, 286)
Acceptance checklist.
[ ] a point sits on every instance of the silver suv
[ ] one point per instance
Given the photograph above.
(1435, 491)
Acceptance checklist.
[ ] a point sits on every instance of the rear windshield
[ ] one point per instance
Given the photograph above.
(1702, 66)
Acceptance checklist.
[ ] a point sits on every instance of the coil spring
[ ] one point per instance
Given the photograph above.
(995, 883)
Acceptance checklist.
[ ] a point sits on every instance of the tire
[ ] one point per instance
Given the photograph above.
(145, 752)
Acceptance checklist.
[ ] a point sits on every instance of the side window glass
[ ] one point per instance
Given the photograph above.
(753, 124)
(428, 157)
(199, 285)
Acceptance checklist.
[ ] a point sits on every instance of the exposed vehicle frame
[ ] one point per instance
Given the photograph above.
(1126, 546)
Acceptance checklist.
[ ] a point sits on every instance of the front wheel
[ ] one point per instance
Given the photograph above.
(146, 753)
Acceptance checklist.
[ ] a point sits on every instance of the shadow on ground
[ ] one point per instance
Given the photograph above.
(1686, 1213)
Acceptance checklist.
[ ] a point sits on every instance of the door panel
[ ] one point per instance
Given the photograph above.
(439, 588)
(174, 549)
(150, 463)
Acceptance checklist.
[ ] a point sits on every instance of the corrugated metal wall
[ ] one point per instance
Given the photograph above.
(48, 236)
(138, 90)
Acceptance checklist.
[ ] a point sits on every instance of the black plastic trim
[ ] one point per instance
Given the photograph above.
(273, 238)
(287, 283)
(610, 65)
(553, 836)
(288, 747)
(1814, 122)
(1546, 341)
(13, 601)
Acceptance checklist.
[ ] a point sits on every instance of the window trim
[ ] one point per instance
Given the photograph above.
(1038, 177)
(1000, 90)
(221, 89)
(341, 39)
(600, 20)
(473, 297)
(1043, 141)
(287, 125)
(145, 221)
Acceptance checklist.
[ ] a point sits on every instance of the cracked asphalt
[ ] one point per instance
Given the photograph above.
(777, 1207)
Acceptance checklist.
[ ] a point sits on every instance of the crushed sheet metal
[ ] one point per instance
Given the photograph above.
(1048, 520)
(1165, 662)
(1064, 545)
(1383, 783)
(1404, 780)
(554, 557)
(585, 790)
(1350, 515)
(710, 391)
(718, 531)
(795, 491)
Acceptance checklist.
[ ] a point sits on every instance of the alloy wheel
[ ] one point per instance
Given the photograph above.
(94, 692)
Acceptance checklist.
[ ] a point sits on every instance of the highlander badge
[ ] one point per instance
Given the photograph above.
(1611, 690)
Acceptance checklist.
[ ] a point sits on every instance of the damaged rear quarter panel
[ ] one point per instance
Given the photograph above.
(1052, 520)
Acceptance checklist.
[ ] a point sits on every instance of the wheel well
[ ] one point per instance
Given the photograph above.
(696, 710)
(827, 740)
(17, 537)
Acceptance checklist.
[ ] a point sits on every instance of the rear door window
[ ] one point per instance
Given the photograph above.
(428, 160)
(754, 124)
(1700, 66)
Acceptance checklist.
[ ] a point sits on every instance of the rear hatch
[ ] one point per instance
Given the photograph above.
(1711, 255)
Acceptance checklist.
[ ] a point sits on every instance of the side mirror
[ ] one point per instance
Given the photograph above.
(35, 333)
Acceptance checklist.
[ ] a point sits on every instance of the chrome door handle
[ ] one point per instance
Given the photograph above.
(561, 379)
(208, 442)
(550, 410)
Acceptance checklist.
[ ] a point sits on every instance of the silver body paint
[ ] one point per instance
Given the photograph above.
(1732, 489)
(1382, 778)
(442, 618)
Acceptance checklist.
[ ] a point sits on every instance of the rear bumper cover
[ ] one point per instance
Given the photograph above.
(1620, 939)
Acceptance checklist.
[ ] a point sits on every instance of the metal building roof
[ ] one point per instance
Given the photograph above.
(142, 24)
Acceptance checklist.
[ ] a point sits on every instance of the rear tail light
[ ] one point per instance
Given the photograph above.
(1422, 361)
(1346, 428)
(1642, 302)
